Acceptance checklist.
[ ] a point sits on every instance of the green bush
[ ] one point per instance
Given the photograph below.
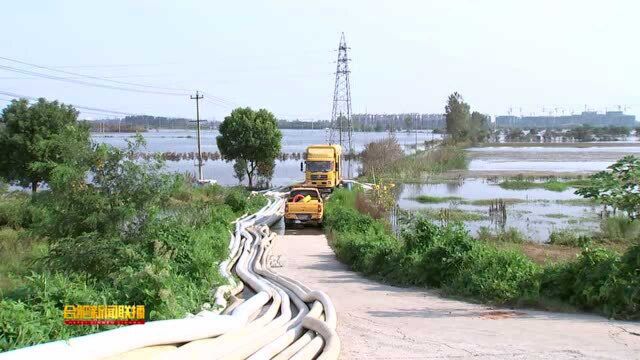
(236, 198)
(619, 229)
(510, 235)
(622, 288)
(15, 210)
(566, 237)
(446, 256)
(499, 276)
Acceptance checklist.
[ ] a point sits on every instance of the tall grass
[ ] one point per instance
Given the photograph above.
(446, 256)
(415, 166)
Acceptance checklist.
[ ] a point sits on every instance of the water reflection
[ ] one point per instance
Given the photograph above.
(535, 212)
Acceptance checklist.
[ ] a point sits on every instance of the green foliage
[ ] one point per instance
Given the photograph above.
(457, 117)
(619, 229)
(551, 185)
(426, 254)
(462, 125)
(617, 187)
(509, 235)
(34, 138)
(567, 237)
(252, 137)
(15, 210)
(479, 127)
(496, 275)
(132, 236)
(453, 215)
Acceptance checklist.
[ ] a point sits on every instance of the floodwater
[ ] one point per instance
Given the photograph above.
(286, 172)
(547, 159)
(539, 213)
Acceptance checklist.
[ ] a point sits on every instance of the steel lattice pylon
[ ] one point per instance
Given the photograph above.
(341, 128)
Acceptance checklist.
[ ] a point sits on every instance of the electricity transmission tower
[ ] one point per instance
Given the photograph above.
(197, 99)
(341, 127)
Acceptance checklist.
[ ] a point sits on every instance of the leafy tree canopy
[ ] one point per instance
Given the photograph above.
(619, 187)
(457, 117)
(249, 137)
(33, 138)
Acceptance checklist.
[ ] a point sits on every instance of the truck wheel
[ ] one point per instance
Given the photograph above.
(287, 223)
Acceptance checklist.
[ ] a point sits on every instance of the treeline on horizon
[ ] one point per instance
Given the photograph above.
(360, 122)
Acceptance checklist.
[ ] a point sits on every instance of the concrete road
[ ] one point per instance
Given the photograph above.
(377, 321)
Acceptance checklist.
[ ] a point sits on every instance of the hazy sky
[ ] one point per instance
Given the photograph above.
(407, 56)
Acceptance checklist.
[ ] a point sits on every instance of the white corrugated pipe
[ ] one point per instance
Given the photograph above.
(277, 318)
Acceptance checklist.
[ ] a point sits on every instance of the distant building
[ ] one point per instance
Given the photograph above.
(610, 118)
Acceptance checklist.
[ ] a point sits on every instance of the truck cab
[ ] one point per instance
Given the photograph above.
(304, 205)
(323, 166)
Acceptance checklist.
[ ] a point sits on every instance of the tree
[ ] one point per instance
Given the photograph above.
(515, 135)
(582, 133)
(457, 117)
(617, 187)
(251, 137)
(408, 123)
(26, 138)
(379, 155)
(479, 127)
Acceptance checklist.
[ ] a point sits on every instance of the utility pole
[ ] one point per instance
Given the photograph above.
(197, 99)
(415, 130)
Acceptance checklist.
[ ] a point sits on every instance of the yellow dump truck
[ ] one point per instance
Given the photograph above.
(304, 205)
(323, 167)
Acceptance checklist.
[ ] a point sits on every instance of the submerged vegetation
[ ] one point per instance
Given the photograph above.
(427, 199)
(521, 183)
(447, 257)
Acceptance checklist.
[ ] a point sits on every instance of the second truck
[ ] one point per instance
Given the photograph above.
(323, 168)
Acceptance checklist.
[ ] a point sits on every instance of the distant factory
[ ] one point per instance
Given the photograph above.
(592, 118)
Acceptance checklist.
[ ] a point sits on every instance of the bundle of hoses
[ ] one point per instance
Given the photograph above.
(258, 315)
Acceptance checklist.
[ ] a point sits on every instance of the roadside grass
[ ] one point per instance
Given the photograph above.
(170, 264)
(447, 257)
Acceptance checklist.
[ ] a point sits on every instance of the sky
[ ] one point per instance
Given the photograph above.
(407, 56)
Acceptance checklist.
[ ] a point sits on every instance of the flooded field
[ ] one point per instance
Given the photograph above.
(552, 159)
(286, 172)
(536, 213)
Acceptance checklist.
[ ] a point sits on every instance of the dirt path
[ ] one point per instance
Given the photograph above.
(385, 322)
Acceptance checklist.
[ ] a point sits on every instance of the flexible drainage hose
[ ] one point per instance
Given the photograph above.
(282, 319)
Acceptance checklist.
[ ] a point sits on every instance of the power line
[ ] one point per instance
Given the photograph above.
(76, 77)
(220, 100)
(85, 83)
(86, 108)
(94, 77)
